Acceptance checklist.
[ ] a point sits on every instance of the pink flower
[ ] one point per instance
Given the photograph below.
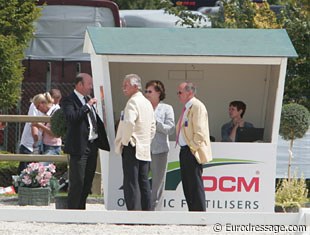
(48, 175)
(43, 182)
(51, 168)
(34, 166)
(41, 169)
(26, 179)
(37, 175)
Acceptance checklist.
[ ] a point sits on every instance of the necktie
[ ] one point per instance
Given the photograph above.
(180, 125)
(92, 116)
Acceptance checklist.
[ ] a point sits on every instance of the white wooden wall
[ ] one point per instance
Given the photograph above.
(217, 84)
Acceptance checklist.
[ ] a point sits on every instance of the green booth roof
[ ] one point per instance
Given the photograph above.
(191, 42)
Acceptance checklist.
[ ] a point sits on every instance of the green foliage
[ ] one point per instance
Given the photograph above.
(54, 186)
(16, 29)
(245, 14)
(137, 4)
(296, 20)
(291, 192)
(9, 165)
(295, 121)
(11, 71)
(58, 123)
(187, 18)
(7, 169)
(16, 19)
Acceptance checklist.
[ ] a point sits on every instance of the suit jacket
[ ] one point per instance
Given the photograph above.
(196, 133)
(78, 126)
(164, 116)
(137, 127)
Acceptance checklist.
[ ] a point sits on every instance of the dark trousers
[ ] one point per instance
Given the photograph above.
(23, 165)
(191, 175)
(81, 174)
(137, 190)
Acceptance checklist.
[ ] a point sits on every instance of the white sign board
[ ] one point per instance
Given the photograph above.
(238, 179)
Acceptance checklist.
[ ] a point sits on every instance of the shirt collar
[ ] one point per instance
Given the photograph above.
(51, 110)
(138, 93)
(80, 96)
(189, 103)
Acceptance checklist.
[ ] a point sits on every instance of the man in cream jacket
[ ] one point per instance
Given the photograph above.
(193, 137)
(133, 141)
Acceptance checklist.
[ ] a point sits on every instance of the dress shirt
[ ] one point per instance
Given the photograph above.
(184, 123)
(92, 135)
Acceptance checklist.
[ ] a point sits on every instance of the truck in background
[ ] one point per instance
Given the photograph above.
(55, 55)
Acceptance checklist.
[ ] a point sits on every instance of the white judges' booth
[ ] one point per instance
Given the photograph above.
(226, 65)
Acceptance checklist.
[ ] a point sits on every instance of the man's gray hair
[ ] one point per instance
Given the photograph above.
(134, 80)
(190, 87)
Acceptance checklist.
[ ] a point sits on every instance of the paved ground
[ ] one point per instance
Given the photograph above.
(12, 202)
(34, 228)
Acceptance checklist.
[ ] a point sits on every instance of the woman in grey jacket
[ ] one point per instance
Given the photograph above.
(164, 115)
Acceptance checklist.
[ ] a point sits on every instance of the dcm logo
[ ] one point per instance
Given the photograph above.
(223, 183)
(231, 184)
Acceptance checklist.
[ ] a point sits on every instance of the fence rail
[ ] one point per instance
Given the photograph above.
(24, 118)
(33, 157)
(30, 157)
(96, 188)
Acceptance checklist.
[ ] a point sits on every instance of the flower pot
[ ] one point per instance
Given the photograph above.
(34, 196)
(306, 205)
(278, 208)
(61, 202)
(291, 209)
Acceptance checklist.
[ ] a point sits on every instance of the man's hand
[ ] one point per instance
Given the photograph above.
(92, 101)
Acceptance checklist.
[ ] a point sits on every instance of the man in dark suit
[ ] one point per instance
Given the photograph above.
(85, 134)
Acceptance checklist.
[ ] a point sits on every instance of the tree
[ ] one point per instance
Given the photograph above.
(137, 4)
(245, 14)
(296, 20)
(11, 71)
(187, 18)
(295, 122)
(16, 30)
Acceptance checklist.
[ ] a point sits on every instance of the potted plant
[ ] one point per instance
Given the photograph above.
(58, 123)
(295, 121)
(291, 194)
(36, 184)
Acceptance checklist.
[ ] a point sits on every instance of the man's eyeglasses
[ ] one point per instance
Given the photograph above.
(179, 93)
(147, 91)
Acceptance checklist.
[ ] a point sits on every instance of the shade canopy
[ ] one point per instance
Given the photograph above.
(191, 42)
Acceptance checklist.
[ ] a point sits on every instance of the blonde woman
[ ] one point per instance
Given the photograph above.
(45, 104)
(30, 141)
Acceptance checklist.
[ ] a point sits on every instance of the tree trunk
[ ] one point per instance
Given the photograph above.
(290, 160)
